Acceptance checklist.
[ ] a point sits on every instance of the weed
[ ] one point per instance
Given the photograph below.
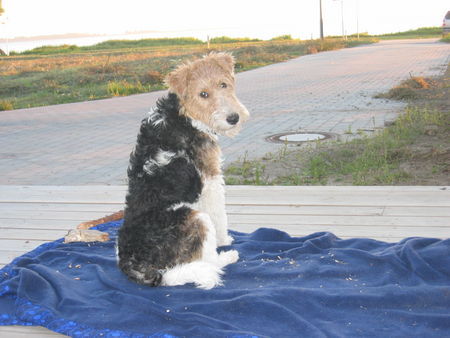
(407, 90)
(124, 88)
(6, 105)
(152, 77)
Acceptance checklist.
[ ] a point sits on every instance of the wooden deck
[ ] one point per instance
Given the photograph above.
(32, 215)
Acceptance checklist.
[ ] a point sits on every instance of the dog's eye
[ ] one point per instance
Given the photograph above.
(204, 95)
(223, 85)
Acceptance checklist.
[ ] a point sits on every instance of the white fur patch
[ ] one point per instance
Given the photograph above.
(204, 128)
(156, 119)
(179, 205)
(162, 158)
(203, 274)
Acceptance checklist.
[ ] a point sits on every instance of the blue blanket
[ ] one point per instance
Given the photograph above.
(314, 286)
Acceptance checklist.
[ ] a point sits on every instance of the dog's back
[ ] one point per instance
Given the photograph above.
(161, 177)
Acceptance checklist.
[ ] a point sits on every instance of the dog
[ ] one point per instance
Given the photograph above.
(174, 217)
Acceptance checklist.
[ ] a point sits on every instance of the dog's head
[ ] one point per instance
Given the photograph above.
(207, 93)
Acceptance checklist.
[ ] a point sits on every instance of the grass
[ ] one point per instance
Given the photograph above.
(415, 149)
(419, 33)
(54, 75)
(365, 161)
(111, 45)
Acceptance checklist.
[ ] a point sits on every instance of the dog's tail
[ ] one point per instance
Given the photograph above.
(141, 273)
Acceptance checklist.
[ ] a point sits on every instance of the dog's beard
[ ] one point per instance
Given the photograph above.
(219, 124)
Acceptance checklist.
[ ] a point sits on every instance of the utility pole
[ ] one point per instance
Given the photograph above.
(342, 16)
(3, 19)
(357, 18)
(321, 20)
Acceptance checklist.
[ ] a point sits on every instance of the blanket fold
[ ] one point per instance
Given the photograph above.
(282, 286)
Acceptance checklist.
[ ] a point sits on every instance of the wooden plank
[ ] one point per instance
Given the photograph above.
(338, 210)
(337, 189)
(240, 188)
(62, 194)
(20, 244)
(233, 209)
(27, 331)
(302, 210)
(6, 257)
(388, 234)
(50, 214)
(273, 220)
(32, 234)
(91, 211)
(41, 223)
(280, 220)
(300, 196)
(416, 211)
(96, 207)
(248, 195)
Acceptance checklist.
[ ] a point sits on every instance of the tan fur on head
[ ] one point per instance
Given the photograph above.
(207, 94)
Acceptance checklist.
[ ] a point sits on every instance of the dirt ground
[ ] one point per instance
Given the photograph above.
(425, 160)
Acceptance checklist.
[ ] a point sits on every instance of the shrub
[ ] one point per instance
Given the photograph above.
(6, 105)
(446, 39)
(152, 77)
(226, 39)
(44, 50)
(117, 44)
(282, 37)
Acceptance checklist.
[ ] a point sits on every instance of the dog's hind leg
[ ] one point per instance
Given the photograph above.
(205, 272)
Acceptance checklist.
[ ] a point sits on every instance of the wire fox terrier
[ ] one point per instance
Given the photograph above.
(175, 217)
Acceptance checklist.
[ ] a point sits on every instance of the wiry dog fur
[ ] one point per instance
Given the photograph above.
(175, 216)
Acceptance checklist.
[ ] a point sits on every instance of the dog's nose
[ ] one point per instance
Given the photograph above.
(233, 118)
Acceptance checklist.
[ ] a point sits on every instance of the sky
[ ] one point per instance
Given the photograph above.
(239, 18)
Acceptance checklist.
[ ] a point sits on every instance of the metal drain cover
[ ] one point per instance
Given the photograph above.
(298, 137)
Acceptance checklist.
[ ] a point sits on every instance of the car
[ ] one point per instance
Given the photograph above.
(446, 24)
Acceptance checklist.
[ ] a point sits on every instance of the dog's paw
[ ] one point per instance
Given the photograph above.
(228, 257)
(225, 241)
(209, 278)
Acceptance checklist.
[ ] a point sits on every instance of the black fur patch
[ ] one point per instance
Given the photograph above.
(154, 237)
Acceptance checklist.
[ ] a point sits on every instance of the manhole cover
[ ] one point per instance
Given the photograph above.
(298, 137)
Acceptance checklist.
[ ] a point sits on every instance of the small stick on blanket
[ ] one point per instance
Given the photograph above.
(89, 224)
(83, 234)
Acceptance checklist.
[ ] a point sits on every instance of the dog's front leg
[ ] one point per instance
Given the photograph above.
(212, 202)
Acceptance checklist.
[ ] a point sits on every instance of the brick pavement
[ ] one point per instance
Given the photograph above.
(89, 142)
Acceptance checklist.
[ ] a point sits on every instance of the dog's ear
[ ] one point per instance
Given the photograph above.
(177, 80)
(224, 60)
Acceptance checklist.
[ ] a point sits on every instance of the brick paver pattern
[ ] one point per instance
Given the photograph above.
(89, 142)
